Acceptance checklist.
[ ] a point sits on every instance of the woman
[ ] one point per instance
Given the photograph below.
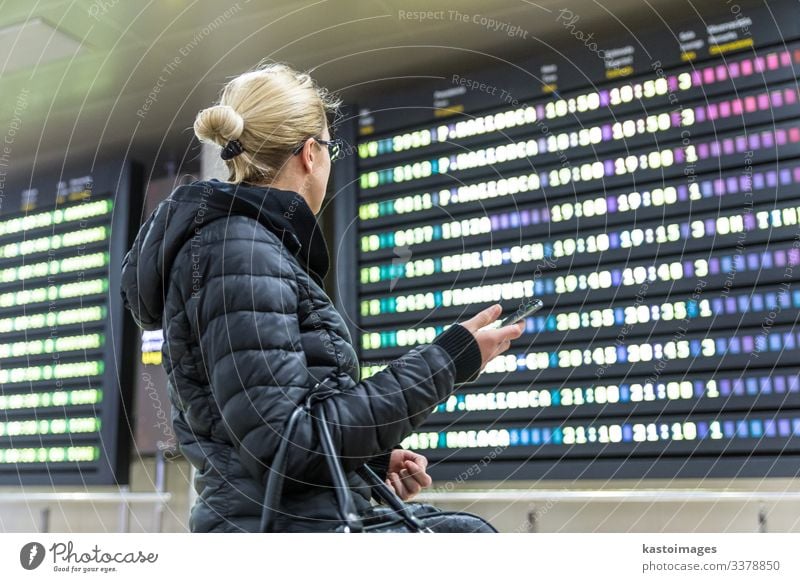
(232, 272)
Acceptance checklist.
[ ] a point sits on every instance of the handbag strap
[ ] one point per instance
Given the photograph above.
(277, 469)
(344, 495)
(275, 474)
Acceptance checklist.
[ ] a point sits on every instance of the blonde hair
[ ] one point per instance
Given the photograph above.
(271, 110)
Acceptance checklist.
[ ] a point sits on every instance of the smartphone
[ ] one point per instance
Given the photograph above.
(524, 310)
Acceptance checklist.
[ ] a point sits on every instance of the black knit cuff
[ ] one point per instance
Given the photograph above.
(463, 349)
(380, 462)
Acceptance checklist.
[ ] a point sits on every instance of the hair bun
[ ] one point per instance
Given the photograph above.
(218, 124)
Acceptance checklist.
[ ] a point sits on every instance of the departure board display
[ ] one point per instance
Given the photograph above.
(65, 347)
(651, 200)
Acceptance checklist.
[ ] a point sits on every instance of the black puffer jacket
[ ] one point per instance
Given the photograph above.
(233, 277)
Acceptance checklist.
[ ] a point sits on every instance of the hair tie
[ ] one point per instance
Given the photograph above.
(232, 149)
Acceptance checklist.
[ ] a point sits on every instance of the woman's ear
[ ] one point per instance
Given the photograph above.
(307, 155)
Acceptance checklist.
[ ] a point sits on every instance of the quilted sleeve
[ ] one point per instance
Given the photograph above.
(245, 316)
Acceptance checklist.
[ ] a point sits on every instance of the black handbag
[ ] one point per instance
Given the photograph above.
(397, 516)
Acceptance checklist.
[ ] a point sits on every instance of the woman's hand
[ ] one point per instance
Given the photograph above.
(406, 473)
(493, 341)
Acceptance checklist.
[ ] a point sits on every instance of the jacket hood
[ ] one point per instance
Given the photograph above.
(146, 266)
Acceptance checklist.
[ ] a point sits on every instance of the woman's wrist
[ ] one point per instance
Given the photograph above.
(463, 349)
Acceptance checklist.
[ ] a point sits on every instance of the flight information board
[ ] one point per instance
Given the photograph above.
(650, 198)
(65, 346)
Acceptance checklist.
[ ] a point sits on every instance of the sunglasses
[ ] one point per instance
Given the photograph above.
(335, 147)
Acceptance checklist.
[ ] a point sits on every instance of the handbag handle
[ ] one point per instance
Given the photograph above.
(276, 471)
(344, 495)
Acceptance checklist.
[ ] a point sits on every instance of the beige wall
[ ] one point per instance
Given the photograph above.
(89, 517)
(550, 515)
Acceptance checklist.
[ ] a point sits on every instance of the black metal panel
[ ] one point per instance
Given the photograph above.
(65, 405)
(653, 206)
